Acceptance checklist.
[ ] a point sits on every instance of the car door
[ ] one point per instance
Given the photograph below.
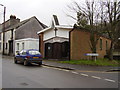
(17, 57)
(23, 55)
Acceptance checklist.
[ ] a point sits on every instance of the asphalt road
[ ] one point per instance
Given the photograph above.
(0, 71)
(34, 76)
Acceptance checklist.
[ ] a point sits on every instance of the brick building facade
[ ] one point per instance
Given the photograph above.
(80, 45)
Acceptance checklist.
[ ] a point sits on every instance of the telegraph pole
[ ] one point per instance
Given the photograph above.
(3, 29)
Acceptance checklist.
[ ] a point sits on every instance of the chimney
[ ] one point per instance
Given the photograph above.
(13, 20)
(12, 17)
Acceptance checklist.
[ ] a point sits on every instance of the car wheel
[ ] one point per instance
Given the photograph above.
(25, 63)
(15, 61)
(40, 63)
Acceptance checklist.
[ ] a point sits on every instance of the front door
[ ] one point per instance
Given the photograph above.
(11, 47)
(48, 50)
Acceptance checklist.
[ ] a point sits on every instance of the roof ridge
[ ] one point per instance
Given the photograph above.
(20, 23)
(25, 21)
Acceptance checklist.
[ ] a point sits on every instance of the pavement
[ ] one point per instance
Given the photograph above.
(80, 67)
(55, 64)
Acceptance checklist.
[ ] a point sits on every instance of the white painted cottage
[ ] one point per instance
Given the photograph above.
(21, 35)
(27, 43)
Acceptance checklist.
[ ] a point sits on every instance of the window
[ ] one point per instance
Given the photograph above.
(106, 45)
(34, 52)
(23, 52)
(100, 44)
(18, 46)
(23, 45)
(0, 46)
(0, 36)
(6, 46)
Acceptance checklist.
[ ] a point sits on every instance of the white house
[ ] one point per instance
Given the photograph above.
(20, 35)
(1, 42)
(27, 43)
(54, 40)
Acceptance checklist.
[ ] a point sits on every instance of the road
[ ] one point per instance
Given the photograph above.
(34, 76)
(0, 71)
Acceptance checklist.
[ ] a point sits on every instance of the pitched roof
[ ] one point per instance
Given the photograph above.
(17, 25)
(57, 26)
(23, 22)
(87, 30)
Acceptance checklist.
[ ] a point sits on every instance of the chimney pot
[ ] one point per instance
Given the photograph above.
(12, 17)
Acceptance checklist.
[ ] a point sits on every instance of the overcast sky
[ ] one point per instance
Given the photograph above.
(42, 9)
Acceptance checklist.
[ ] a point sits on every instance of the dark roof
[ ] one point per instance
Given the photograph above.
(87, 30)
(23, 22)
(17, 25)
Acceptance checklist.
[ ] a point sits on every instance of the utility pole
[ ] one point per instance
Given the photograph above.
(3, 29)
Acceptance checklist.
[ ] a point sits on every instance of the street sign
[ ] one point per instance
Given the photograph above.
(91, 54)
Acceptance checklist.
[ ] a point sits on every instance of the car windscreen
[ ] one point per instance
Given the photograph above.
(34, 52)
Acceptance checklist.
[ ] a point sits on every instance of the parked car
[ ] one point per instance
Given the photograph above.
(28, 56)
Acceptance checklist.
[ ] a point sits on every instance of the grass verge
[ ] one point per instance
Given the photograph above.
(102, 62)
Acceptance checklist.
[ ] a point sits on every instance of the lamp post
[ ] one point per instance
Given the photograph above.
(3, 29)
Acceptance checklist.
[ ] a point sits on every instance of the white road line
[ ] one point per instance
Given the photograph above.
(55, 68)
(84, 74)
(66, 70)
(109, 80)
(95, 77)
(75, 72)
(60, 69)
(46, 67)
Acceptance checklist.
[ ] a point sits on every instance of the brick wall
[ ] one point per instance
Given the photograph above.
(80, 45)
(41, 44)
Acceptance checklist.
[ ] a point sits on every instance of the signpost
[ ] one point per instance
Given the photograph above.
(92, 55)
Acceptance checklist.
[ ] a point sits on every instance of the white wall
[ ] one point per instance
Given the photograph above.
(7, 38)
(1, 43)
(48, 34)
(63, 33)
(59, 33)
(29, 43)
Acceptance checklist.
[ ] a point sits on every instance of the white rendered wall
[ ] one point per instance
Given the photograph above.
(63, 33)
(28, 44)
(7, 38)
(1, 41)
(48, 34)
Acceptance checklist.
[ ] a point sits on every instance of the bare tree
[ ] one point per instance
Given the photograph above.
(88, 17)
(111, 22)
(99, 17)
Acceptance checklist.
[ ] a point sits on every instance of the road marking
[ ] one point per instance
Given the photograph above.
(46, 66)
(60, 69)
(95, 71)
(84, 74)
(55, 68)
(95, 77)
(74, 72)
(66, 70)
(109, 80)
